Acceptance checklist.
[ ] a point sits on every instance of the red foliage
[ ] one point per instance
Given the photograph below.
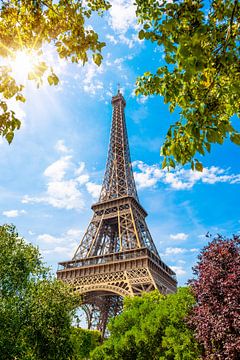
(216, 317)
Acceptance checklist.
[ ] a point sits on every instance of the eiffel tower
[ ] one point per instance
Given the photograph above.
(116, 256)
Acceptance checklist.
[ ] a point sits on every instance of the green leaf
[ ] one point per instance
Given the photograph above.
(17, 123)
(141, 34)
(235, 138)
(32, 76)
(171, 107)
(97, 58)
(10, 136)
(208, 147)
(3, 106)
(164, 163)
(211, 136)
(172, 163)
(50, 80)
(198, 166)
(20, 97)
(53, 79)
(202, 108)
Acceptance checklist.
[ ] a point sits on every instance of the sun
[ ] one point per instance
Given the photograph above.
(22, 63)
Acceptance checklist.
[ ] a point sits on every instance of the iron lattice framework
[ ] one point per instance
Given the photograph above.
(117, 256)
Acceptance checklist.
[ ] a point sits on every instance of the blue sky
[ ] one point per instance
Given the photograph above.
(51, 173)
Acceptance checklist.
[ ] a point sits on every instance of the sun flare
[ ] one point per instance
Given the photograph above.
(23, 63)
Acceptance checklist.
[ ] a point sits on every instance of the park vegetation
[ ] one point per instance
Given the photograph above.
(36, 310)
(152, 327)
(200, 321)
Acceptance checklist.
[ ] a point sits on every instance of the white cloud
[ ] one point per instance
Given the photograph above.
(123, 21)
(146, 176)
(74, 233)
(13, 213)
(202, 236)
(61, 251)
(178, 270)
(83, 179)
(80, 168)
(61, 147)
(57, 170)
(174, 251)
(48, 239)
(93, 189)
(112, 39)
(180, 179)
(141, 99)
(122, 15)
(179, 236)
(64, 245)
(60, 194)
(65, 194)
(130, 41)
(65, 186)
(194, 250)
(118, 61)
(70, 236)
(181, 261)
(92, 88)
(89, 73)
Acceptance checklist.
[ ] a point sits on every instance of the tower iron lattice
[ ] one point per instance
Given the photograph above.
(116, 256)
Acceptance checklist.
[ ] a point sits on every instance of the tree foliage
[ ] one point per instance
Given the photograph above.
(202, 73)
(216, 287)
(84, 342)
(28, 25)
(201, 77)
(151, 327)
(35, 310)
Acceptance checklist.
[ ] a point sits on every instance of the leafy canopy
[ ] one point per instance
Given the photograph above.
(84, 342)
(201, 77)
(28, 25)
(151, 327)
(202, 74)
(35, 309)
(216, 287)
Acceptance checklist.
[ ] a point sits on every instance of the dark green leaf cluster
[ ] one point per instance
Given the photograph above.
(151, 327)
(202, 72)
(84, 342)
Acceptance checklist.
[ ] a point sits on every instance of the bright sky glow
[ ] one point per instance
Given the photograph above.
(52, 172)
(23, 63)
